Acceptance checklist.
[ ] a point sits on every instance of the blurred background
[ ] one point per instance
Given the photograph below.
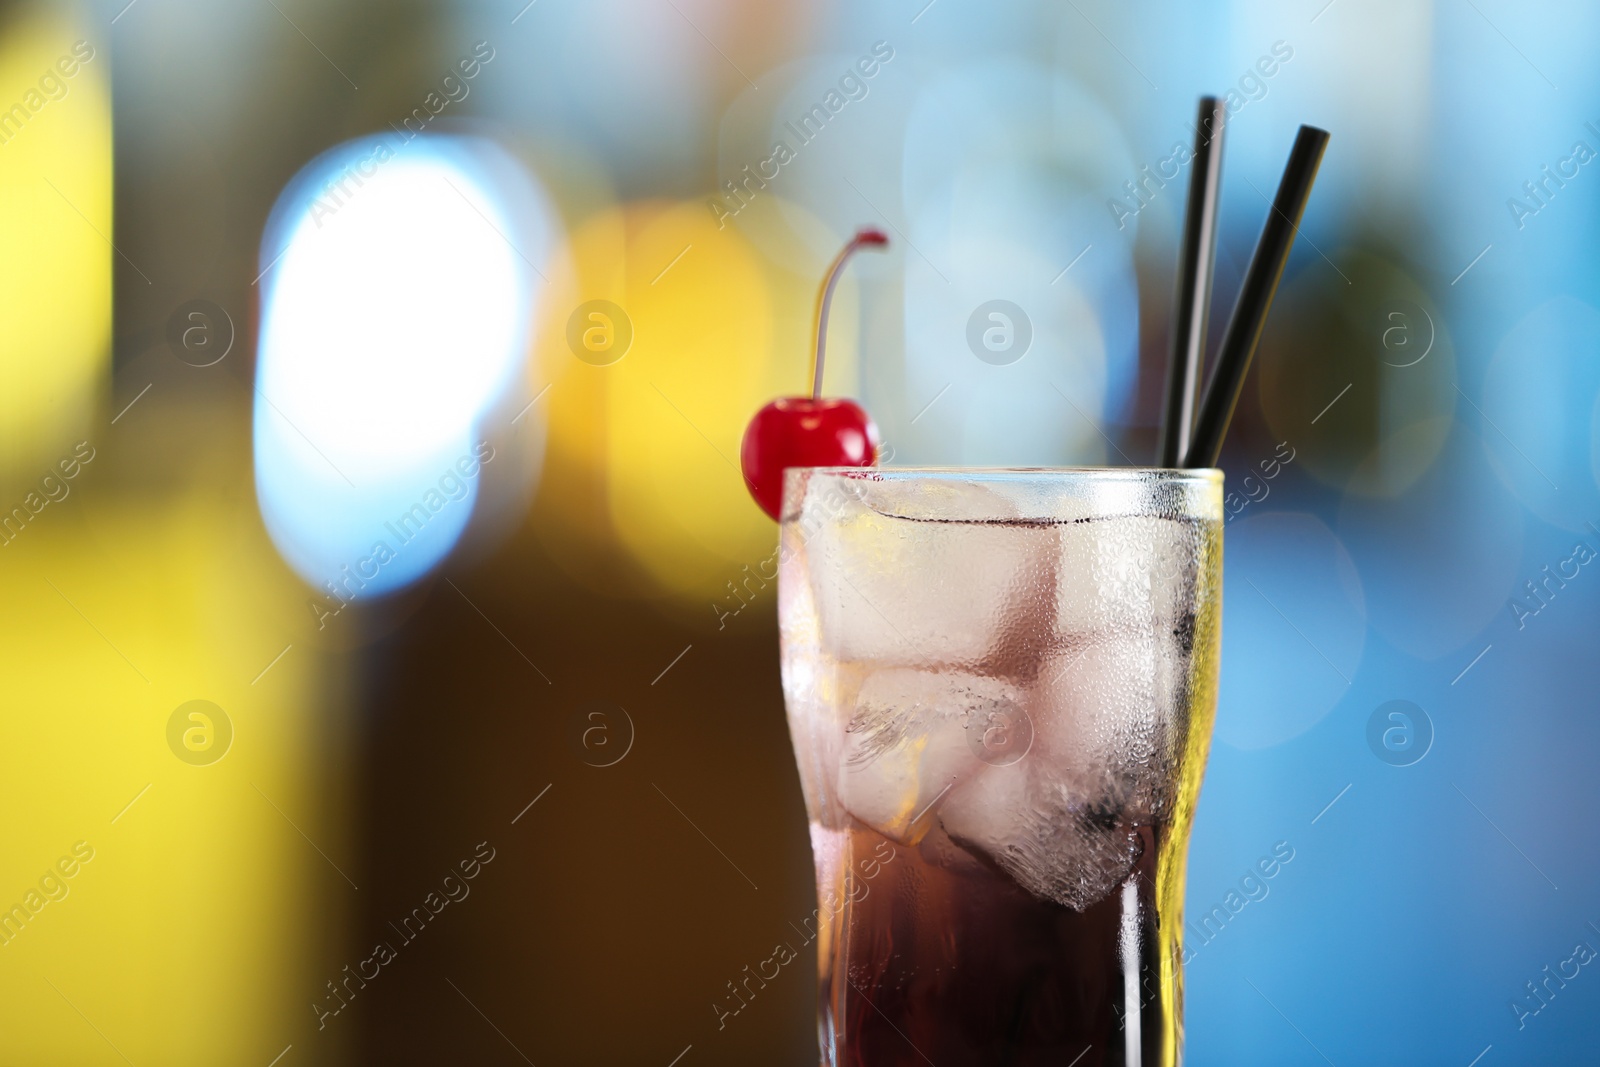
(378, 569)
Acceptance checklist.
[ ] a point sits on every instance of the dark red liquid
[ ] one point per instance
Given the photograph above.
(953, 964)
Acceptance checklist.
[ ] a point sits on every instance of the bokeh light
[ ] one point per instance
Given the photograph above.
(398, 285)
(55, 202)
(1300, 666)
(979, 186)
(1537, 401)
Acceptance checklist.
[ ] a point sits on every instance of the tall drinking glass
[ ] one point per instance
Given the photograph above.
(1000, 686)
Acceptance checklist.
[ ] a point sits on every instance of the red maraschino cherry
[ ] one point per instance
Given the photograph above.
(808, 431)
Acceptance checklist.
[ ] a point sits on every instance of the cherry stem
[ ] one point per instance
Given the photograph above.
(864, 238)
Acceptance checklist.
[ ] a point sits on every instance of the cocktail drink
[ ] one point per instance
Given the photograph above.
(1000, 686)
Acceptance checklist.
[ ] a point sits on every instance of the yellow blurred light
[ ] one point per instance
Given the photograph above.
(174, 942)
(182, 939)
(55, 210)
(699, 369)
(644, 451)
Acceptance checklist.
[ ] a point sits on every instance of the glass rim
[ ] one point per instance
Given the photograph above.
(1146, 474)
(1032, 494)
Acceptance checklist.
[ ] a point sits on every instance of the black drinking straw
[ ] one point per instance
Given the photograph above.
(1255, 298)
(1195, 258)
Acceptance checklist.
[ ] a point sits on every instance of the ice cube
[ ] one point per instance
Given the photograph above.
(937, 583)
(914, 736)
(1106, 725)
(1054, 842)
(1128, 572)
(1110, 717)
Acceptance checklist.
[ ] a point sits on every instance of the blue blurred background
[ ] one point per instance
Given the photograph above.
(495, 285)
